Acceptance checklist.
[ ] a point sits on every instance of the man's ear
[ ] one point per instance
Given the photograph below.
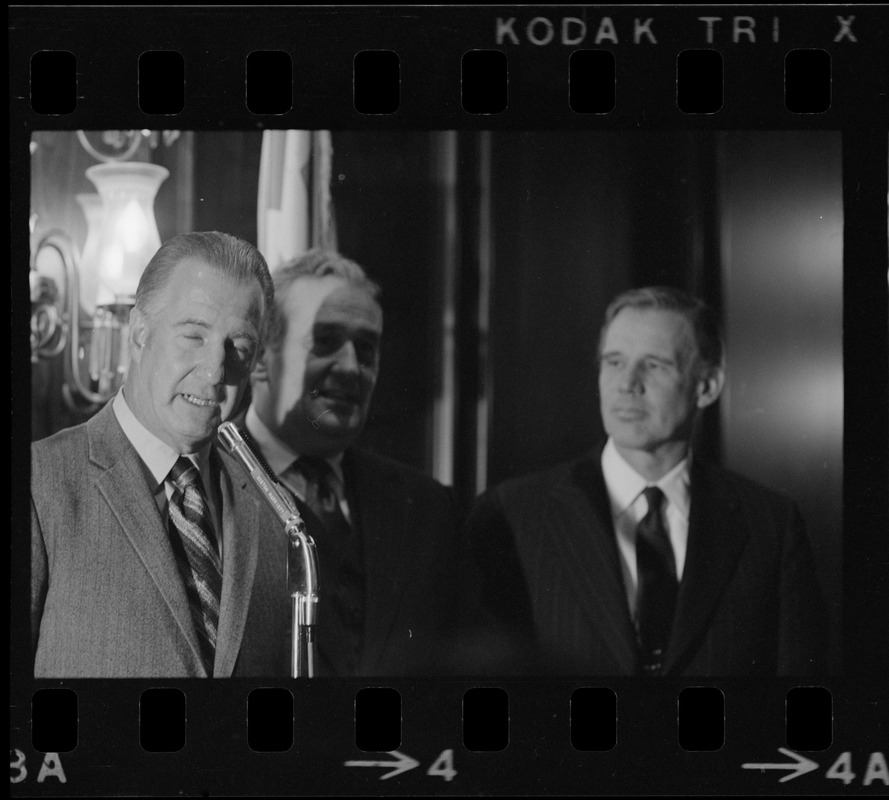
(709, 386)
(260, 371)
(138, 334)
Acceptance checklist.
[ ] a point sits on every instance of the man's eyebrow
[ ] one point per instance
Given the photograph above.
(653, 356)
(201, 323)
(338, 326)
(668, 360)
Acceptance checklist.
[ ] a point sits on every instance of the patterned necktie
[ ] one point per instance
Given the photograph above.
(321, 496)
(658, 586)
(340, 563)
(194, 542)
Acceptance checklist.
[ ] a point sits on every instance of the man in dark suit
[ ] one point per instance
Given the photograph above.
(384, 532)
(151, 554)
(639, 558)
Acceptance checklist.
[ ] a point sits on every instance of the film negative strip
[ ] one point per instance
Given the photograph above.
(503, 172)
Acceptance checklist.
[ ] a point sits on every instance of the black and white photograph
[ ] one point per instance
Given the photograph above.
(494, 342)
(534, 442)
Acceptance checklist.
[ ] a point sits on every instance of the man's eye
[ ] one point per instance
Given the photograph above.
(326, 344)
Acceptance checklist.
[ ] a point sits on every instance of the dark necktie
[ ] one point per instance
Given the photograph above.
(341, 572)
(656, 567)
(194, 542)
(321, 496)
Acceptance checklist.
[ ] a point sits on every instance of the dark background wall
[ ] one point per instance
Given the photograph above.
(782, 231)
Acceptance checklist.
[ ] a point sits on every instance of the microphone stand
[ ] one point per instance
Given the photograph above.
(302, 559)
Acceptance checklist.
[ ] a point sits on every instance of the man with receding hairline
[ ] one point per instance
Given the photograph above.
(152, 555)
(639, 558)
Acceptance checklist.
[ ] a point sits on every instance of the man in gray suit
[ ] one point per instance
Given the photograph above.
(151, 554)
(639, 558)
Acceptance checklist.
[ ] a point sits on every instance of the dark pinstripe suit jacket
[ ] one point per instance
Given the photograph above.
(408, 526)
(749, 602)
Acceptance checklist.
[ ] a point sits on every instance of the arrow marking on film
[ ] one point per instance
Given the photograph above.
(801, 767)
(403, 764)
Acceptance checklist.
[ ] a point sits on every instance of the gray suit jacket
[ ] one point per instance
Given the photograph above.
(749, 602)
(107, 597)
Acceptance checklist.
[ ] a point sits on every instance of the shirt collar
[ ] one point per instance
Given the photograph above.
(157, 455)
(625, 485)
(279, 455)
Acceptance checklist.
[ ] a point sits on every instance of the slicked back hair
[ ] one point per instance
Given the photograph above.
(704, 324)
(238, 260)
(315, 263)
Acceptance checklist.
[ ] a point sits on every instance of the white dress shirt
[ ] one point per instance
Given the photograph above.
(159, 458)
(280, 458)
(628, 506)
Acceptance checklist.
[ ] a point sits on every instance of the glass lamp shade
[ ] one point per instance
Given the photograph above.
(128, 236)
(91, 205)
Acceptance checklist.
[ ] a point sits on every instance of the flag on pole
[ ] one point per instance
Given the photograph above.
(294, 206)
(324, 223)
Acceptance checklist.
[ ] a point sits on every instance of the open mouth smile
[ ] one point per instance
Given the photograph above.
(199, 401)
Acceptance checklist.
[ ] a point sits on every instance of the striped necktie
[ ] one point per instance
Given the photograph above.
(656, 566)
(321, 495)
(194, 542)
(341, 564)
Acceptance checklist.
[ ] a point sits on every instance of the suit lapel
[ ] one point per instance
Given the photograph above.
(240, 518)
(125, 488)
(716, 537)
(382, 514)
(578, 521)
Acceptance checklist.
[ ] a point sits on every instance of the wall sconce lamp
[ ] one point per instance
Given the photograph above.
(87, 316)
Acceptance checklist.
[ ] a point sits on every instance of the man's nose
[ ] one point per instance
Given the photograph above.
(213, 364)
(347, 358)
(630, 379)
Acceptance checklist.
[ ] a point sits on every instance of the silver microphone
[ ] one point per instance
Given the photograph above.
(235, 444)
(302, 559)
